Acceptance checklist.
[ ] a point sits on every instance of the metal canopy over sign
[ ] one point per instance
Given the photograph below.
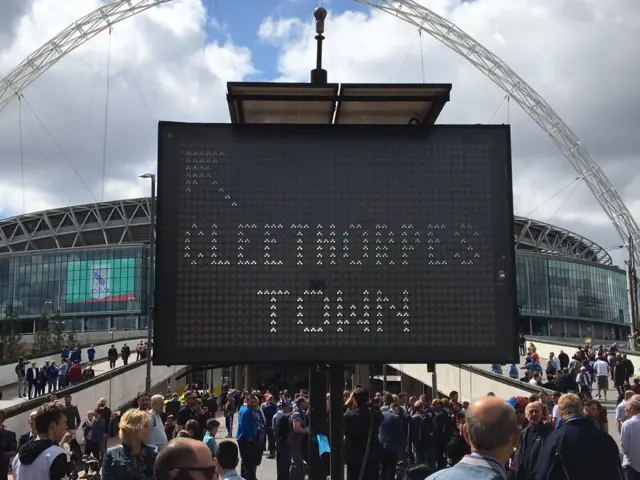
(337, 243)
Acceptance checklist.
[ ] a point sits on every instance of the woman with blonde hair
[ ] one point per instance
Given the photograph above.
(132, 459)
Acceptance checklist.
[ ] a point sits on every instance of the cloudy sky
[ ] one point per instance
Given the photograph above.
(172, 62)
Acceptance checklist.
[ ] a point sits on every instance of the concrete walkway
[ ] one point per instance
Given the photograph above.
(10, 392)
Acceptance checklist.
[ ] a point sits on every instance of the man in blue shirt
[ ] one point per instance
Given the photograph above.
(269, 409)
(247, 438)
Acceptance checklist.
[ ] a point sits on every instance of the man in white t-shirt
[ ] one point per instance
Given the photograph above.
(621, 410)
(555, 412)
(601, 369)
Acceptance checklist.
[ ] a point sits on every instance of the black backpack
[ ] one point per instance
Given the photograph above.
(283, 427)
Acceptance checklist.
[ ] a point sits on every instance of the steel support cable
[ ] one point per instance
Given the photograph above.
(406, 58)
(228, 37)
(565, 200)
(553, 196)
(57, 145)
(531, 102)
(330, 56)
(306, 40)
(409, 11)
(504, 99)
(24, 210)
(204, 48)
(106, 118)
(421, 56)
(75, 35)
(135, 81)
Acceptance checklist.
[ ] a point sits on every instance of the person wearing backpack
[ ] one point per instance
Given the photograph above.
(281, 429)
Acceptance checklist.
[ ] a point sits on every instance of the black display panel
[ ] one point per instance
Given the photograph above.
(334, 244)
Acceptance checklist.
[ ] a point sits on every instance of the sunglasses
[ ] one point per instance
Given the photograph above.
(209, 473)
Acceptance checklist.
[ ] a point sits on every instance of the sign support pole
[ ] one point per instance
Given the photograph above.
(336, 438)
(317, 419)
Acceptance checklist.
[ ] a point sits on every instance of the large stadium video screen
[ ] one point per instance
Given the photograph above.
(281, 243)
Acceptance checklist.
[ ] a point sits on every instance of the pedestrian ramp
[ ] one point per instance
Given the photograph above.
(474, 381)
(544, 346)
(469, 381)
(118, 386)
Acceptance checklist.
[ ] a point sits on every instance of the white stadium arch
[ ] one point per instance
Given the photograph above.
(87, 27)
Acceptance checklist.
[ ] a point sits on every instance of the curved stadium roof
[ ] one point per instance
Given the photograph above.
(122, 222)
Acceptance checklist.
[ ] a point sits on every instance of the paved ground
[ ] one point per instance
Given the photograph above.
(10, 392)
(267, 470)
(609, 404)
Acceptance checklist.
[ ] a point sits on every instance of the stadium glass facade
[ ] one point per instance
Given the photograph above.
(570, 298)
(105, 288)
(90, 289)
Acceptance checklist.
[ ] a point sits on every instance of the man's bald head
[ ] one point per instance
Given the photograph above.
(181, 453)
(490, 424)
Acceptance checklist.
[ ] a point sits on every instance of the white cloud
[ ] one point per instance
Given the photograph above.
(579, 55)
(273, 30)
(159, 71)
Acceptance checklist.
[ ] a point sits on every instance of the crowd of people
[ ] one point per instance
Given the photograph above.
(386, 436)
(588, 371)
(142, 349)
(35, 380)
(50, 449)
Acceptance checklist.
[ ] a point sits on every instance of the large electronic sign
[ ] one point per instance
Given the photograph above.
(334, 244)
(98, 281)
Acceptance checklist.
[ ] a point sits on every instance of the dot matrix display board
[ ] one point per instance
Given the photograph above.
(334, 243)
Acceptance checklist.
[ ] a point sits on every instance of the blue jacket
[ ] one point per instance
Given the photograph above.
(269, 410)
(118, 464)
(76, 356)
(98, 428)
(247, 429)
(392, 434)
(91, 352)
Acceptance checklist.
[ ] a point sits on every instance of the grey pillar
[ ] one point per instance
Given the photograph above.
(238, 377)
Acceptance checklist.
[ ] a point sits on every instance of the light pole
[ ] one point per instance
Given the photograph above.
(150, 270)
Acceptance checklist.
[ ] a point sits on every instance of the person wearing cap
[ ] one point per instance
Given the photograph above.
(584, 381)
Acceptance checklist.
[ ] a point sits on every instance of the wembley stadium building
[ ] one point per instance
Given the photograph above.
(88, 264)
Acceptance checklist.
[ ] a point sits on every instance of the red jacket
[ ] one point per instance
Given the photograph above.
(75, 373)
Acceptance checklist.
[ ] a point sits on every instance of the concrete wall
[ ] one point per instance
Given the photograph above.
(8, 372)
(87, 338)
(118, 391)
(468, 384)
